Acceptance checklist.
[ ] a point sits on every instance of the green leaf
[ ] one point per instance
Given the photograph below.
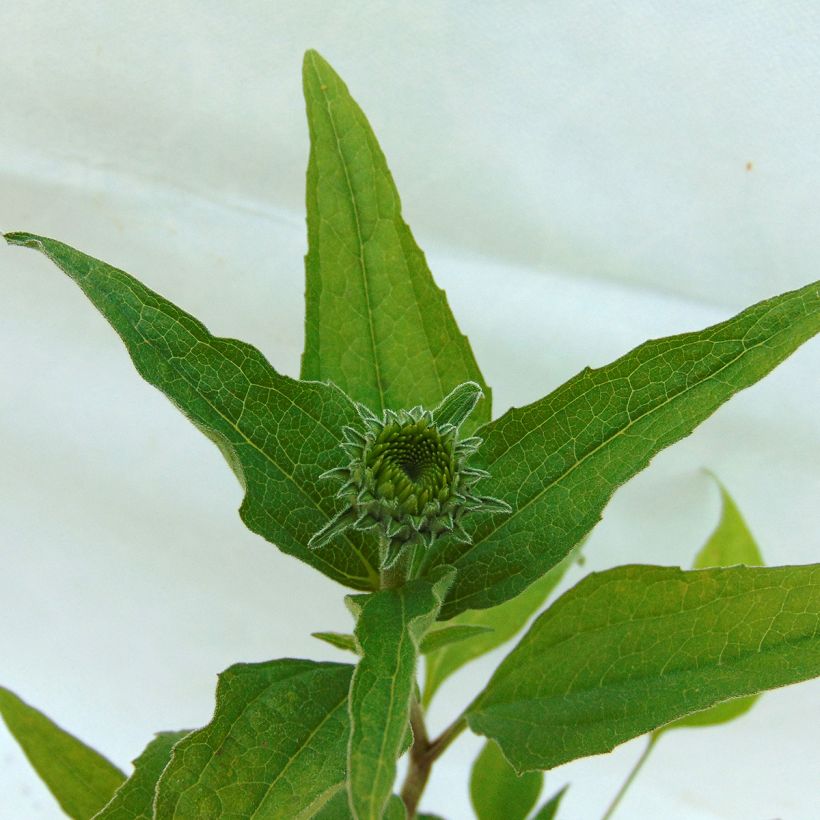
(497, 791)
(631, 649)
(376, 325)
(389, 630)
(341, 640)
(558, 461)
(433, 640)
(134, 800)
(550, 808)
(279, 435)
(274, 749)
(81, 779)
(338, 808)
(502, 622)
(731, 543)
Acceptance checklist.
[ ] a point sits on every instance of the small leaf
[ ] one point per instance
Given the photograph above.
(389, 629)
(341, 640)
(731, 543)
(279, 435)
(376, 325)
(497, 791)
(457, 405)
(275, 747)
(558, 461)
(502, 622)
(134, 800)
(439, 637)
(632, 649)
(81, 779)
(550, 808)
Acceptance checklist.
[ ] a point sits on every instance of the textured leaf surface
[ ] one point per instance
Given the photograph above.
(134, 800)
(631, 649)
(377, 325)
(274, 749)
(338, 808)
(558, 461)
(496, 790)
(81, 779)
(278, 434)
(434, 640)
(389, 628)
(502, 623)
(731, 543)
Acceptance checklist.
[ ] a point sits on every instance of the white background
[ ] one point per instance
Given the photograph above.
(582, 175)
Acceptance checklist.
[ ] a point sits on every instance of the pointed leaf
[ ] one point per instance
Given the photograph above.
(81, 779)
(457, 405)
(558, 461)
(377, 325)
(275, 747)
(341, 640)
(389, 629)
(439, 637)
(631, 649)
(134, 800)
(497, 791)
(731, 543)
(502, 622)
(550, 808)
(278, 434)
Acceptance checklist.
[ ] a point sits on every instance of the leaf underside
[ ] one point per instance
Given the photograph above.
(558, 461)
(632, 649)
(376, 323)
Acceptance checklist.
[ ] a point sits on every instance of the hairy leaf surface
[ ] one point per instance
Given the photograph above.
(134, 800)
(377, 325)
(389, 629)
(496, 790)
(631, 649)
(558, 461)
(81, 779)
(274, 749)
(278, 434)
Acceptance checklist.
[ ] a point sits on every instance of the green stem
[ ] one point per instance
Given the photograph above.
(399, 573)
(632, 775)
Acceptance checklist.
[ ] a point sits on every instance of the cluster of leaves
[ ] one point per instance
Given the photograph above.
(629, 651)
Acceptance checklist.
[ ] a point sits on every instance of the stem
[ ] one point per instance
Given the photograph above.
(396, 575)
(632, 775)
(423, 754)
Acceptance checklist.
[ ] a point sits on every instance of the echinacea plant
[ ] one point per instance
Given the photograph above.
(383, 469)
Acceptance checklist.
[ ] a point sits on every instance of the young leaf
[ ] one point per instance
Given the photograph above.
(134, 800)
(501, 622)
(341, 640)
(497, 791)
(275, 747)
(376, 325)
(279, 435)
(731, 543)
(631, 649)
(389, 630)
(558, 461)
(81, 779)
(435, 639)
(550, 808)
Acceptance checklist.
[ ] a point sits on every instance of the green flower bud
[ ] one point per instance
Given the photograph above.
(407, 475)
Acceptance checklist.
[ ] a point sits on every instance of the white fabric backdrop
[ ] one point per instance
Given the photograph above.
(582, 175)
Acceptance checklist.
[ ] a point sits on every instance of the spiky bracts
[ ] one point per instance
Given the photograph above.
(407, 475)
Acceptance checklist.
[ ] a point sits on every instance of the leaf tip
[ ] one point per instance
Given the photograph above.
(26, 240)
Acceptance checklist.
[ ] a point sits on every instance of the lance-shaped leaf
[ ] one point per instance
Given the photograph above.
(390, 626)
(134, 800)
(81, 779)
(549, 809)
(496, 790)
(279, 435)
(434, 640)
(730, 543)
(558, 461)
(500, 622)
(631, 649)
(275, 747)
(377, 325)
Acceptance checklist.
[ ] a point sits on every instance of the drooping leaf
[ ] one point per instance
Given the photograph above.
(81, 779)
(496, 790)
(550, 808)
(377, 325)
(134, 800)
(502, 623)
(435, 639)
(558, 461)
(731, 543)
(390, 626)
(632, 649)
(275, 748)
(279, 435)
